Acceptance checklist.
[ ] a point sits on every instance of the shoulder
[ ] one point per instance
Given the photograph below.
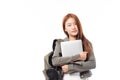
(56, 42)
(61, 39)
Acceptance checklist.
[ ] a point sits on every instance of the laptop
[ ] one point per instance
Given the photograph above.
(71, 48)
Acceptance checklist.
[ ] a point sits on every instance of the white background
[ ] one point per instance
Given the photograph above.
(27, 28)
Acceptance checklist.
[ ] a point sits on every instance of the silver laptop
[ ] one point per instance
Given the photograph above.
(70, 48)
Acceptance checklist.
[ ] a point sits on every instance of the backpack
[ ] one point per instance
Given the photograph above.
(52, 72)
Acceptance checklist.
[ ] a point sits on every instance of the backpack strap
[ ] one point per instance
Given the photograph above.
(54, 43)
(53, 47)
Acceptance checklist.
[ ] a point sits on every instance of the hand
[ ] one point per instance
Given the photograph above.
(83, 56)
(65, 68)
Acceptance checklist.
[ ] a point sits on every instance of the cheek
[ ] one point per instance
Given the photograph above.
(77, 29)
(66, 29)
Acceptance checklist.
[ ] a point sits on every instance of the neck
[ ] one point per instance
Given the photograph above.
(72, 38)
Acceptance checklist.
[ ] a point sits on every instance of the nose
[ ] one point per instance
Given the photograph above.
(73, 26)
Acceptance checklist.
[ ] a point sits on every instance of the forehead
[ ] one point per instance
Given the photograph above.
(70, 20)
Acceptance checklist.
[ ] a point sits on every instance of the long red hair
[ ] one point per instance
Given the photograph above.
(80, 35)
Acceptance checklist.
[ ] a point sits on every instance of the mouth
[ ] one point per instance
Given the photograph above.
(74, 31)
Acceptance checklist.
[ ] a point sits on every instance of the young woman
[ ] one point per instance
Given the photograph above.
(81, 63)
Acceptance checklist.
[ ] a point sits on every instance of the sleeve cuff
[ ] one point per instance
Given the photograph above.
(74, 58)
(70, 68)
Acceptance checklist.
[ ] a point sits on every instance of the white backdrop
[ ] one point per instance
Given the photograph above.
(27, 28)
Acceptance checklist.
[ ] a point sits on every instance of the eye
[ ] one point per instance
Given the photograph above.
(75, 23)
(68, 25)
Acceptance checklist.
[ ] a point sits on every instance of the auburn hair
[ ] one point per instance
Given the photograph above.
(80, 35)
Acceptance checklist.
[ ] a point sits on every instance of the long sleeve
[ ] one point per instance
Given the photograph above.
(81, 66)
(59, 61)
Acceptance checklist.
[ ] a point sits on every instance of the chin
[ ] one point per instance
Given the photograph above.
(75, 34)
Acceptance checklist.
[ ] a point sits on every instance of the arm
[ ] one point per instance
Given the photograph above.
(59, 61)
(80, 66)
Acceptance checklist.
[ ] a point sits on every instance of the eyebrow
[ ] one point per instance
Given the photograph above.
(71, 23)
(68, 23)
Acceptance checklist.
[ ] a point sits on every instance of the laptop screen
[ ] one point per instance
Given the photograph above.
(70, 48)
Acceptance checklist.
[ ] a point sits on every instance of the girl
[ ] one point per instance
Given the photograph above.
(75, 67)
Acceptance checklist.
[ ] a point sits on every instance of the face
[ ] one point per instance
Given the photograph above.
(71, 27)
